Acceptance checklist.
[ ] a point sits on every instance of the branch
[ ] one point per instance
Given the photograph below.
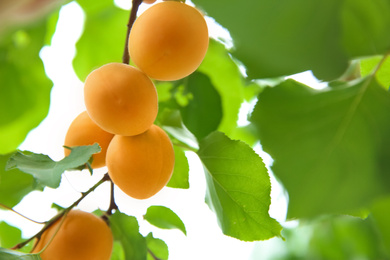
(112, 206)
(14, 211)
(62, 213)
(133, 16)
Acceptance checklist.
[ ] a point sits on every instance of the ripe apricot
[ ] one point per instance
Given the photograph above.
(83, 131)
(169, 40)
(120, 99)
(141, 165)
(149, 1)
(81, 236)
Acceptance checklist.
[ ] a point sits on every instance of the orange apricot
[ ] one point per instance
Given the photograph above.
(149, 1)
(121, 99)
(80, 236)
(83, 131)
(141, 165)
(169, 40)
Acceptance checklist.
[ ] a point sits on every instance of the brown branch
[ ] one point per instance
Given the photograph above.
(133, 16)
(62, 213)
(14, 211)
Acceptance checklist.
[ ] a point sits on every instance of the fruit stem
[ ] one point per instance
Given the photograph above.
(112, 206)
(133, 16)
(62, 213)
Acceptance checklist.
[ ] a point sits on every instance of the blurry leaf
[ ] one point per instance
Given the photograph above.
(247, 134)
(381, 214)
(46, 171)
(103, 38)
(330, 147)
(172, 123)
(203, 113)
(6, 254)
(157, 247)
(14, 184)
(126, 230)
(165, 218)
(9, 235)
(25, 88)
(276, 38)
(227, 80)
(179, 177)
(345, 238)
(368, 65)
(238, 188)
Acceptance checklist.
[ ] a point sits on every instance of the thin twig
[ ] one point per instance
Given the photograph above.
(62, 213)
(14, 211)
(133, 16)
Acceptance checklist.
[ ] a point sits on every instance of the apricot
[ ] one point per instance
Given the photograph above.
(141, 165)
(169, 40)
(83, 131)
(149, 1)
(80, 236)
(121, 99)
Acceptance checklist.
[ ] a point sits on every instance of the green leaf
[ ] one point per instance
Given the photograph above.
(227, 80)
(238, 188)
(381, 214)
(103, 38)
(46, 171)
(180, 174)
(276, 38)
(14, 184)
(202, 115)
(25, 88)
(126, 230)
(345, 237)
(117, 252)
(165, 218)
(368, 65)
(330, 147)
(9, 235)
(171, 122)
(6, 254)
(157, 247)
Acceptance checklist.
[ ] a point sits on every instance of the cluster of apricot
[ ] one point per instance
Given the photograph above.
(167, 42)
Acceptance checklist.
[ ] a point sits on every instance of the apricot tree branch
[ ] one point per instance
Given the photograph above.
(133, 16)
(62, 213)
(113, 205)
(14, 211)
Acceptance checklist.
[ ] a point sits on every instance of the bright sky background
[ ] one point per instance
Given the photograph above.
(204, 239)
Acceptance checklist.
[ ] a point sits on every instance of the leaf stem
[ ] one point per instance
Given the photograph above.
(62, 213)
(133, 16)
(14, 211)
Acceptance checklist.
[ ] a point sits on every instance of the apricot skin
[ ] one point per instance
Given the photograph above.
(149, 2)
(82, 236)
(169, 40)
(83, 131)
(141, 165)
(120, 99)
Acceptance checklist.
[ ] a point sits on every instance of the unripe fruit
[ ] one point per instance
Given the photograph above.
(169, 40)
(120, 99)
(81, 236)
(141, 165)
(83, 131)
